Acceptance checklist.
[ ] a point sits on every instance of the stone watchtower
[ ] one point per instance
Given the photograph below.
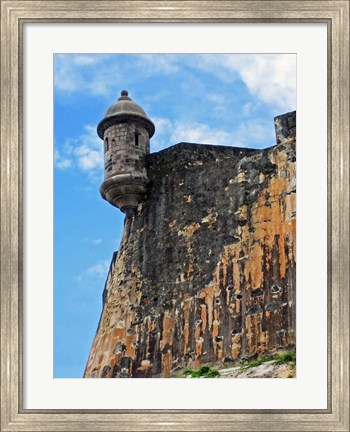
(126, 131)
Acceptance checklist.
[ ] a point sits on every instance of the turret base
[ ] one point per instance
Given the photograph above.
(125, 191)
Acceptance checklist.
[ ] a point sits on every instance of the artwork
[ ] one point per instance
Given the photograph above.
(316, 32)
(195, 258)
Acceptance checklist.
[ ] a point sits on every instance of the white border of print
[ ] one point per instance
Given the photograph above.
(309, 389)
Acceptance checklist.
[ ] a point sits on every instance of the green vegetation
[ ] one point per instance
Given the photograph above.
(288, 357)
(206, 371)
(257, 362)
(202, 372)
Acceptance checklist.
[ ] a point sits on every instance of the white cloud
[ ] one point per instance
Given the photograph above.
(169, 133)
(155, 64)
(271, 77)
(249, 108)
(96, 241)
(98, 75)
(99, 269)
(92, 74)
(253, 132)
(218, 104)
(84, 152)
(62, 162)
(93, 241)
(83, 60)
(201, 133)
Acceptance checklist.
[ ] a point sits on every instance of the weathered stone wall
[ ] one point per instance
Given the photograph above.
(206, 267)
(122, 153)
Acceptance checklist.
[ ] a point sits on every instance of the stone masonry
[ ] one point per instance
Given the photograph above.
(206, 268)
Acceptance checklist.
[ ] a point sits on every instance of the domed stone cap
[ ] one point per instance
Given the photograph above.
(125, 105)
(123, 110)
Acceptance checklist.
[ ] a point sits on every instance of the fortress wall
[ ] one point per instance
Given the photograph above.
(206, 267)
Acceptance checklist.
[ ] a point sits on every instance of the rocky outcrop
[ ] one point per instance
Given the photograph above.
(206, 267)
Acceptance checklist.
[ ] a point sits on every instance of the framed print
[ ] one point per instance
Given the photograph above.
(60, 61)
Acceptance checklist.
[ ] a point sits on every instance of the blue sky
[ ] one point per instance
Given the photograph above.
(224, 99)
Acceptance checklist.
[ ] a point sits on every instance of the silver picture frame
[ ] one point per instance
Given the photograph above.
(14, 15)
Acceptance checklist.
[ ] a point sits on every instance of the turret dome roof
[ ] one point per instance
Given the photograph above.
(122, 110)
(125, 105)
